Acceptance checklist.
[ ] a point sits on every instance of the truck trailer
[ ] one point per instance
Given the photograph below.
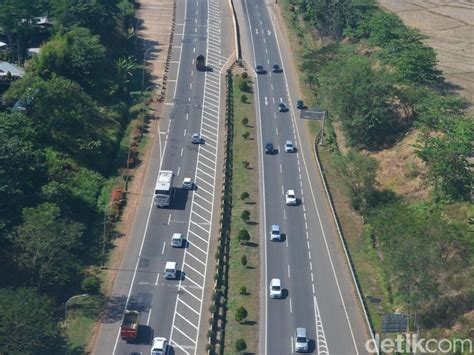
(164, 188)
(130, 323)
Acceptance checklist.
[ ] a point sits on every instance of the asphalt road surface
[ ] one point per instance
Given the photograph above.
(173, 308)
(319, 293)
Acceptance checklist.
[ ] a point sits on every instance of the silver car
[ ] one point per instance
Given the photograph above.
(301, 341)
(177, 240)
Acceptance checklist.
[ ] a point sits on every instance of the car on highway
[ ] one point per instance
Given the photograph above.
(290, 198)
(177, 240)
(275, 232)
(269, 149)
(259, 69)
(299, 104)
(289, 147)
(188, 184)
(196, 138)
(170, 270)
(159, 346)
(281, 107)
(301, 341)
(276, 290)
(276, 68)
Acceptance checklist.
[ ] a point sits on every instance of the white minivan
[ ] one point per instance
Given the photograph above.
(170, 270)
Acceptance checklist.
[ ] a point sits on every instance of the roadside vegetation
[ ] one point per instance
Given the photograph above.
(396, 157)
(65, 134)
(241, 330)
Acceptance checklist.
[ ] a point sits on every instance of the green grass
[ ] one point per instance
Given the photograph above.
(82, 314)
(244, 180)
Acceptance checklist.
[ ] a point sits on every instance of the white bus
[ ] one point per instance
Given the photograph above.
(164, 188)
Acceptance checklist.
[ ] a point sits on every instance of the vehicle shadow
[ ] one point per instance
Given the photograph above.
(179, 200)
(145, 335)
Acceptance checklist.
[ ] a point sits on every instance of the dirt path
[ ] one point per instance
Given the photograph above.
(450, 26)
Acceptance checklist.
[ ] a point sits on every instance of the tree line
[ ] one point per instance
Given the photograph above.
(58, 157)
(379, 80)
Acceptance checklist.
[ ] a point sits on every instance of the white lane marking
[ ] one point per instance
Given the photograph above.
(320, 335)
(282, 190)
(266, 101)
(182, 149)
(313, 288)
(195, 258)
(281, 169)
(179, 169)
(291, 308)
(262, 185)
(271, 85)
(187, 336)
(289, 276)
(314, 201)
(284, 214)
(188, 306)
(309, 254)
(149, 316)
(185, 132)
(277, 131)
(291, 344)
(197, 271)
(163, 250)
(182, 317)
(157, 278)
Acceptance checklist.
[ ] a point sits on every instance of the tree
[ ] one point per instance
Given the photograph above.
(240, 345)
(246, 135)
(243, 260)
(245, 121)
(28, 324)
(359, 96)
(21, 166)
(358, 173)
(245, 216)
(446, 156)
(244, 195)
(48, 247)
(243, 98)
(243, 236)
(70, 120)
(126, 66)
(77, 55)
(240, 314)
(243, 290)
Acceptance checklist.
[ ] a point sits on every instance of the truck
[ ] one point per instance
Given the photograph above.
(129, 326)
(164, 188)
(201, 63)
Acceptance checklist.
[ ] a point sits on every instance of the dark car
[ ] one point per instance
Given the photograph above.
(276, 68)
(281, 107)
(259, 69)
(300, 104)
(269, 148)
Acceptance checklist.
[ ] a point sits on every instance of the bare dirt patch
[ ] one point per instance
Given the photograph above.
(450, 27)
(400, 169)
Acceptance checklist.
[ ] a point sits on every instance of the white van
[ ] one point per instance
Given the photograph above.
(170, 270)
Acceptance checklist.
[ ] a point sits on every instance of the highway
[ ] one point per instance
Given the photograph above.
(173, 308)
(310, 261)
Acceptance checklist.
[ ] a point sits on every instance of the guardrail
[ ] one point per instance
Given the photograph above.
(216, 334)
(316, 142)
(238, 53)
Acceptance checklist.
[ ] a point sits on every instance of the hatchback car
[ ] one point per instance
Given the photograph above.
(275, 288)
(301, 341)
(259, 69)
(196, 138)
(177, 240)
(170, 270)
(269, 149)
(276, 68)
(275, 232)
(289, 147)
(188, 184)
(290, 198)
(281, 107)
(300, 104)
(159, 346)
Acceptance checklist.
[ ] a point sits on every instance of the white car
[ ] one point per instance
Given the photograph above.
(301, 340)
(188, 184)
(196, 138)
(159, 346)
(289, 147)
(275, 233)
(171, 270)
(275, 289)
(177, 240)
(290, 198)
